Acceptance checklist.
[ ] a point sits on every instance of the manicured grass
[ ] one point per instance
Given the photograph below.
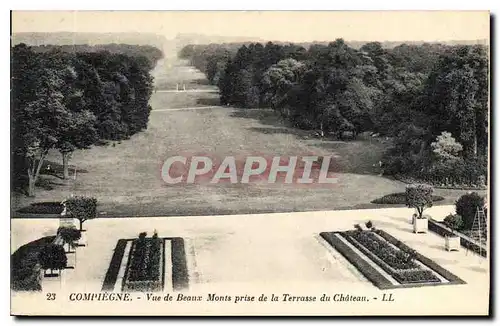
(114, 266)
(217, 132)
(399, 198)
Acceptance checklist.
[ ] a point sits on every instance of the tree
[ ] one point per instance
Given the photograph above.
(278, 81)
(419, 196)
(453, 221)
(79, 133)
(455, 97)
(82, 208)
(446, 147)
(38, 124)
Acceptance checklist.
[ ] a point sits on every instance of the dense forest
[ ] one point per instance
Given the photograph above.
(430, 99)
(66, 100)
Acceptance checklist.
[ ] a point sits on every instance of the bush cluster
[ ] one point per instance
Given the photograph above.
(466, 206)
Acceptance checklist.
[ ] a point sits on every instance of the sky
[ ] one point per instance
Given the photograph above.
(269, 25)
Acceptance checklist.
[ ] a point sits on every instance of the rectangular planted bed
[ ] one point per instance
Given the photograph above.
(387, 262)
(147, 264)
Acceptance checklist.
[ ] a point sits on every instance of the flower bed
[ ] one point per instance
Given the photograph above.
(179, 272)
(405, 266)
(395, 261)
(145, 268)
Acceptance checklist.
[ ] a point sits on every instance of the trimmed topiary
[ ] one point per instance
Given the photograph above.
(419, 196)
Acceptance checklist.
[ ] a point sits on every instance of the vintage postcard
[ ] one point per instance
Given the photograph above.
(320, 163)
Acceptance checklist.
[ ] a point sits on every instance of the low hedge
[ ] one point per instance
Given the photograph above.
(114, 266)
(180, 277)
(399, 198)
(443, 231)
(365, 268)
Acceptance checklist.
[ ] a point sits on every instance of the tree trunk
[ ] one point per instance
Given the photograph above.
(33, 172)
(474, 145)
(81, 225)
(65, 158)
(31, 185)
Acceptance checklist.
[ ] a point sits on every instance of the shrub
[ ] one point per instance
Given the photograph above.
(453, 221)
(466, 206)
(369, 224)
(25, 265)
(69, 235)
(419, 196)
(53, 257)
(446, 147)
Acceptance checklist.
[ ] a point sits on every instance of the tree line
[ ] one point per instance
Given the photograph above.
(431, 99)
(67, 100)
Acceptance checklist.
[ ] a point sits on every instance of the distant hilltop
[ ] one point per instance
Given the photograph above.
(69, 38)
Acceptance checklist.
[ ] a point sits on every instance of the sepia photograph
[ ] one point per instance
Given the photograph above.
(250, 163)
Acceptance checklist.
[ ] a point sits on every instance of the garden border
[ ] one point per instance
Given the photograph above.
(406, 181)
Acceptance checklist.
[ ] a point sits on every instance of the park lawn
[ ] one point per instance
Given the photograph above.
(125, 176)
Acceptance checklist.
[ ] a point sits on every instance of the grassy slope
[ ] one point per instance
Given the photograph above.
(126, 178)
